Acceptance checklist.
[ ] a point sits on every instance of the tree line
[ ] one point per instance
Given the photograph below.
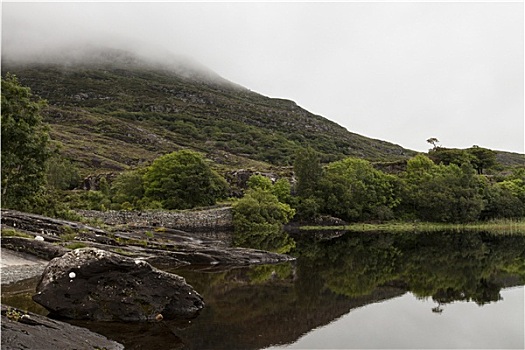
(444, 185)
(429, 189)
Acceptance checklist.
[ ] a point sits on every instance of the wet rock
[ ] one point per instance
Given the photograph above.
(94, 284)
(25, 330)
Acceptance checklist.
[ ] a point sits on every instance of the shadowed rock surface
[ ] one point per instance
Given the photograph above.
(26, 330)
(163, 246)
(94, 284)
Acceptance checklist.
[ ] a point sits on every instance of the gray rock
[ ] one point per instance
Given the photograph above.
(42, 225)
(40, 249)
(94, 284)
(25, 330)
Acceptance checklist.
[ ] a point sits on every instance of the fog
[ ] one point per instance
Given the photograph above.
(400, 72)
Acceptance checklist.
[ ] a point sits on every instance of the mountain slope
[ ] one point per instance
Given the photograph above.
(118, 110)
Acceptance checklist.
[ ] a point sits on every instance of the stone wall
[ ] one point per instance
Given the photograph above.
(208, 220)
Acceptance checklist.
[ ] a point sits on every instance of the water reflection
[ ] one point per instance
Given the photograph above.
(406, 323)
(278, 304)
(265, 237)
(445, 266)
(272, 305)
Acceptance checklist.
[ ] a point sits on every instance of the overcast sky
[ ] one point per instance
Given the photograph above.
(401, 72)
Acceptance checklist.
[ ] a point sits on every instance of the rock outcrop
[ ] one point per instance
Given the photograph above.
(42, 225)
(40, 249)
(163, 247)
(26, 330)
(94, 284)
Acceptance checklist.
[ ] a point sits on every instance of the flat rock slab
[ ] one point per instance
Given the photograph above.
(13, 258)
(25, 330)
(17, 266)
(94, 284)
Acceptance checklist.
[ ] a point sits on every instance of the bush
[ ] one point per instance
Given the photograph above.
(183, 180)
(258, 219)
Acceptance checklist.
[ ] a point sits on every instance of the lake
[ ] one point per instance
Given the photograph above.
(457, 290)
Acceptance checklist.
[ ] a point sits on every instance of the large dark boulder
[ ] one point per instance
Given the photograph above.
(94, 284)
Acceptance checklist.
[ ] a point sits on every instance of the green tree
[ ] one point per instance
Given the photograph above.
(25, 147)
(442, 193)
(505, 199)
(258, 219)
(282, 190)
(62, 174)
(308, 171)
(353, 190)
(128, 187)
(104, 187)
(308, 209)
(259, 181)
(447, 156)
(483, 158)
(183, 180)
(434, 142)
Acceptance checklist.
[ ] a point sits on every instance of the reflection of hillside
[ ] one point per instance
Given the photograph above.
(253, 308)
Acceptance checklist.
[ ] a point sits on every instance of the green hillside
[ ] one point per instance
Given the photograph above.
(120, 111)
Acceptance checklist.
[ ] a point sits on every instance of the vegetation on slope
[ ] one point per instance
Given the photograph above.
(112, 116)
(107, 117)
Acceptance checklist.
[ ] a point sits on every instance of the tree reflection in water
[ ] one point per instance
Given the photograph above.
(447, 266)
(253, 308)
(277, 304)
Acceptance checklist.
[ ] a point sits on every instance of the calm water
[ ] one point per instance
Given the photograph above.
(382, 291)
(407, 323)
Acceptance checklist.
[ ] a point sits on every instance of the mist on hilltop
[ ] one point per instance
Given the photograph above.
(111, 52)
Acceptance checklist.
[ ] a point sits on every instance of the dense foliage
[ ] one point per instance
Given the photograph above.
(259, 216)
(444, 193)
(447, 185)
(183, 180)
(480, 158)
(177, 180)
(352, 189)
(25, 147)
(447, 188)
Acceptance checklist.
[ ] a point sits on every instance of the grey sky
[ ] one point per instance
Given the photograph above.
(401, 72)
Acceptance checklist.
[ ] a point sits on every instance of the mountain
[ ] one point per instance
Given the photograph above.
(111, 110)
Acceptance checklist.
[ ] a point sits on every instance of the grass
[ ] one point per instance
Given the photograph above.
(14, 314)
(15, 233)
(494, 226)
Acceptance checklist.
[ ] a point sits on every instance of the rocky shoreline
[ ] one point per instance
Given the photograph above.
(30, 242)
(162, 246)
